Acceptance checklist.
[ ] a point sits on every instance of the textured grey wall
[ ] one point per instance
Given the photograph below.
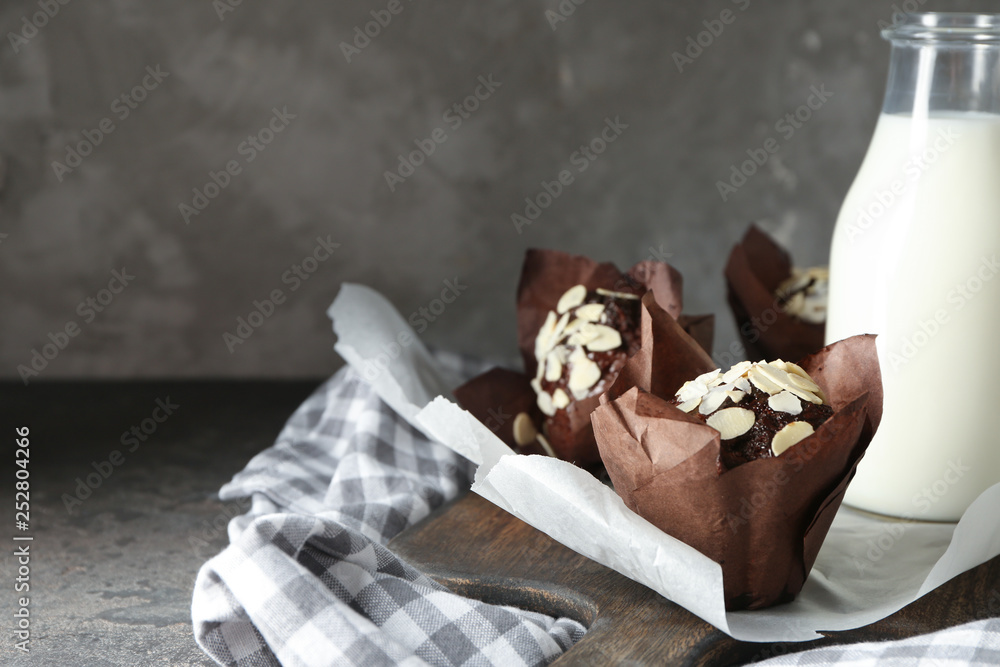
(319, 170)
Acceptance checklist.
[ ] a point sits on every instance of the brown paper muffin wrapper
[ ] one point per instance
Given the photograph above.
(545, 277)
(756, 268)
(763, 521)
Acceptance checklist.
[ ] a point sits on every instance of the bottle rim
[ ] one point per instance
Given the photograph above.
(955, 27)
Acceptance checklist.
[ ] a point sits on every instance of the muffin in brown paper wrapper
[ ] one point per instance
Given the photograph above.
(757, 266)
(763, 521)
(498, 396)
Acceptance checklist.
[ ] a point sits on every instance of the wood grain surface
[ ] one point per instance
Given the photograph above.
(478, 550)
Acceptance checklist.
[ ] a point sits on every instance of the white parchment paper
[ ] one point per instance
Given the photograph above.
(869, 567)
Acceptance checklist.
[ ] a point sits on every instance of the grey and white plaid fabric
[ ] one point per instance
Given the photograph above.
(307, 579)
(976, 644)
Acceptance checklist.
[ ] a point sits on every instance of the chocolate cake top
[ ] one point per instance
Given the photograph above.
(583, 344)
(760, 409)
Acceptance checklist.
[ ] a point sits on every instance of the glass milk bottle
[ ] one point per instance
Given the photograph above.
(916, 259)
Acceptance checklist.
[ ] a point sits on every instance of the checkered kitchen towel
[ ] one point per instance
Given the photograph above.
(307, 579)
(976, 644)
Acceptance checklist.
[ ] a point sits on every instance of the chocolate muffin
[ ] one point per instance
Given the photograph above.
(580, 349)
(761, 409)
(779, 310)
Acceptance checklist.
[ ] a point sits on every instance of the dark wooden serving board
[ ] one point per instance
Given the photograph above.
(478, 550)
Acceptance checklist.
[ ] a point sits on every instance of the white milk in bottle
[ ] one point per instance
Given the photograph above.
(916, 259)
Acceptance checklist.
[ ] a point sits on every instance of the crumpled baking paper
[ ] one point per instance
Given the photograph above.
(867, 569)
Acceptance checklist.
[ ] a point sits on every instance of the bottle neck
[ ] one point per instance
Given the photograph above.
(928, 78)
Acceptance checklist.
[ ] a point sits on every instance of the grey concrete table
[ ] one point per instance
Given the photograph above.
(123, 510)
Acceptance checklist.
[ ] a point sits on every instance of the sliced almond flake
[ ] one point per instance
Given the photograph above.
(573, 297)
(691, 390)
(803, 382)
(536, 384)
(578, 355)
(560, 327)
(560, 399)
(789, 436)
(793, 283)
(545, 403)
(789, 385)
(785, 402)
(544, 442)
(796, 304)
(689, 405)
(573, 326)
(590, 312)
(587, 332)
(737, 371)
(708, 378)
(712, 401)
(774, 374)
(549, 325)
(545, 340)
(807, 292)
(813, 311)
(732, 422)
(736, 395)
(805, 395)
(524, 430)
(553, 367)
(761, 381)
(607, 339)
(617, 295)
(743, 385)
(797, 370)
(583, 374)
(779, 364)
(542, 349)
